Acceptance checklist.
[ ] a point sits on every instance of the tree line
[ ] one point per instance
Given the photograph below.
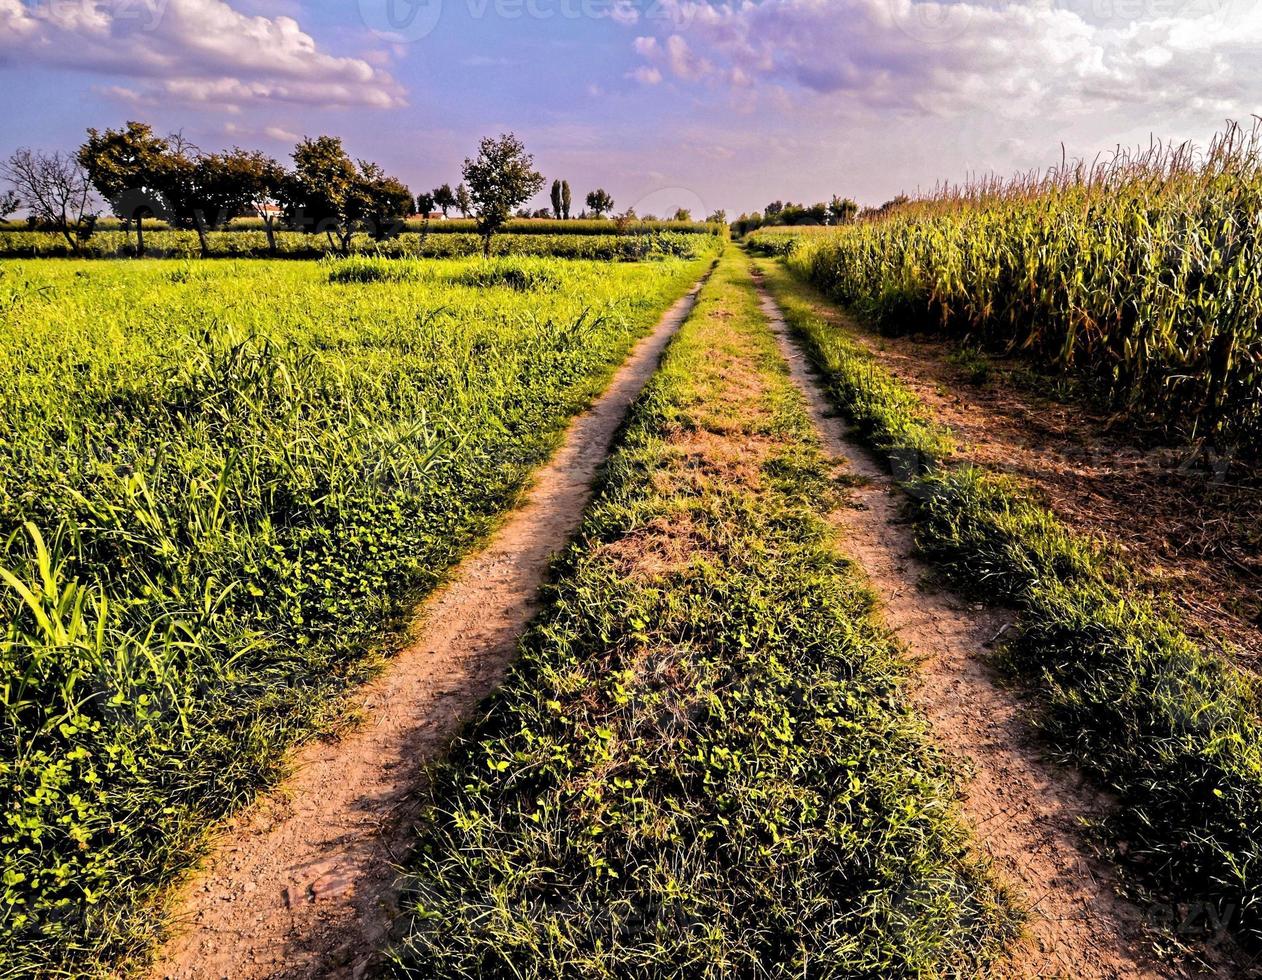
(838, 211)
(142, 175)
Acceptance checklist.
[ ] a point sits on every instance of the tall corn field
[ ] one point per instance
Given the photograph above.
(1142, 273)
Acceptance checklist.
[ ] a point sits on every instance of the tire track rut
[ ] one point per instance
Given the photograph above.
(1025, 812)
(303, 882)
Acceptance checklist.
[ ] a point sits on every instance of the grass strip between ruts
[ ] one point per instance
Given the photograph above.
(703, 764)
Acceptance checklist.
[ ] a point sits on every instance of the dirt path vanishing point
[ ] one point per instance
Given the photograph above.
(303, 883)
(1024, 811)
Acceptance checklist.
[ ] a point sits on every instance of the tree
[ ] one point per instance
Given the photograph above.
(600, 202)
(682, 214)
(747, 223)
(556, 199)
(464, 203)
(842, 210)
(566, 200)
(56, 190)
(127, 168)
(240, 182)
(803, 214)
(719, 217)
(424, 204)
(772, 211)
(319, 195)
(445, 198)
(9, 202)
(179, 179)
(328, 192)
(500, 178)
(386, 202)
(624, 221)
(204, 191)
(893, 204)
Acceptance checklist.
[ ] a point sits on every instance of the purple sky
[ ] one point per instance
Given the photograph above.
(722, 104)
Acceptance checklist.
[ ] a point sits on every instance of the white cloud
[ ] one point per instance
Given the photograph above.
(198, 51)
(683, 63)
(674, 54)
(121, 93)
(245, 131)
(1007, 58)
(280, 134)
(647, 75)
(646, 47)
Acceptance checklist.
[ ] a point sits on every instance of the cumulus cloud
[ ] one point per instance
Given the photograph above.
(647, 75)
(197, 51)
(674, 54)
(939, 58)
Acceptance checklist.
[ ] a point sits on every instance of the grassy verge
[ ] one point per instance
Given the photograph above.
(219, 485)
(703, 764)
(1169, 726)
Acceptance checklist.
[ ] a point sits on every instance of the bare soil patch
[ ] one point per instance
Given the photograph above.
(1192, 526)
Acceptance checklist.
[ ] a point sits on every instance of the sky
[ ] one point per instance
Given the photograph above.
(665, 103)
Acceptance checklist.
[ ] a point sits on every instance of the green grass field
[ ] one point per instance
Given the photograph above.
(223, 484)
(219, 483)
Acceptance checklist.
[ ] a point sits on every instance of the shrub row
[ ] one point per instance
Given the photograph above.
(468, 226)
(296, 245)
(773, 243)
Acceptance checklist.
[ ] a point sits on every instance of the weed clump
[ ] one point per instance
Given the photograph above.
(371, 268)
(524, 277)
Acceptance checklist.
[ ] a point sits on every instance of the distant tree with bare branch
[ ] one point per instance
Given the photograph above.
(55, 189)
